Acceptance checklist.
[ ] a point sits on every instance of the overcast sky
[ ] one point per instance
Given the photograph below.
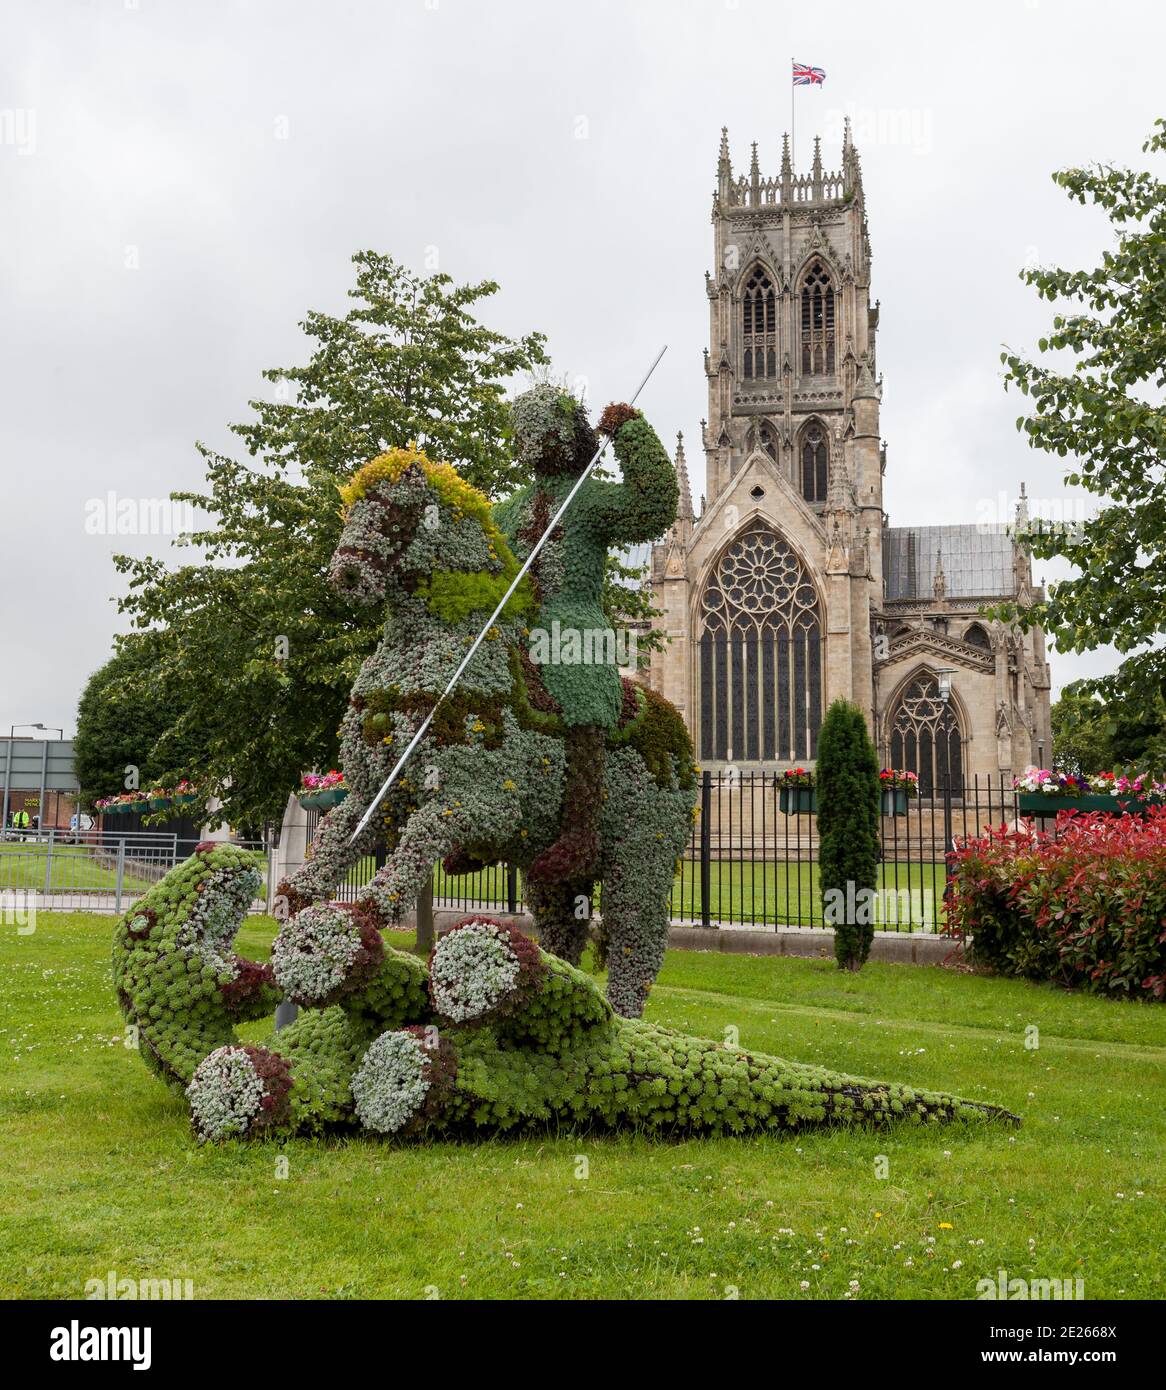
(180, 182)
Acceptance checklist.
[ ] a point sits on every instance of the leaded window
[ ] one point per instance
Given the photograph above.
(760, 654)
(817, 322)
(815, 463)
(925, 737)
(759, 326)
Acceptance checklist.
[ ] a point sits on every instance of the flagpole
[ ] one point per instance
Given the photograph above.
(793, 139)
(505, 599)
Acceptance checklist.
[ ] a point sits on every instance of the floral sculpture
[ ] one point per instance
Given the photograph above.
(501, 773)
(495, 1034)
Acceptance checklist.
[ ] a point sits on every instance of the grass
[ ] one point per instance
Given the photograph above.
(98, 1171)
(753, 890)
(22, 866)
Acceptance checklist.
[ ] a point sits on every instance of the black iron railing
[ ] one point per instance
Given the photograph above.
(752, 857)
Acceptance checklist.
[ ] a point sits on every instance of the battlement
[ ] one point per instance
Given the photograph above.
(818, 188)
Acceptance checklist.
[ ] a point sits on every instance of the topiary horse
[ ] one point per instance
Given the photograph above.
(487, 782)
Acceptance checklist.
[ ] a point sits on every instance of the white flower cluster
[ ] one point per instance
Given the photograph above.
(209, 930)
(473, 968)
(313, 953)
(390, 1084)
(225, 1094)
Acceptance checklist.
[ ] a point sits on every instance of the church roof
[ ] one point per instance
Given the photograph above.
(977, 561)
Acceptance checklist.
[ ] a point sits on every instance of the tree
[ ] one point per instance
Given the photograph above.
(262, 651)
(1092, 736)
(118, 731)
(847, 780)
(1104, 412)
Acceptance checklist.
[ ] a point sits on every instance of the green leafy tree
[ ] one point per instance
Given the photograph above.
(262, 651)
(118, 732)
(846, 776)
(1104, 412)
(1090, 735)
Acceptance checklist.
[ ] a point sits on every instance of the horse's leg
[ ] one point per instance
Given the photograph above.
(562, 916)
(430, 833)
(331, 856)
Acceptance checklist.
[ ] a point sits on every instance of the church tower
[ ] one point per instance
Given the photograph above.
(769, 595)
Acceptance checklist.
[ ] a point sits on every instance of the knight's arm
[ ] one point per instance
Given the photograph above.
(643, 506)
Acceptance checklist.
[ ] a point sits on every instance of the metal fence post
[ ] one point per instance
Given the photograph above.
(121, 870)
(947, 845)
(49, 864)
(512, 888)
(706, 815)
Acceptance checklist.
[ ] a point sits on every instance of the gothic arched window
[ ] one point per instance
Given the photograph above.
(760, 654)
(925, 737)
(767, 438)
(817, 322)
(978, 637)
(815, 463)
(759, 325)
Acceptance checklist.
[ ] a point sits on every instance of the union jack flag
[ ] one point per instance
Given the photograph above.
(805, 76)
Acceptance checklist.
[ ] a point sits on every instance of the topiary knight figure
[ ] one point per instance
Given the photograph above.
(555, 443)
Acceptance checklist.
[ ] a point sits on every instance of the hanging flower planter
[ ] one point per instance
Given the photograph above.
(186, 799)
(897, 788)
(1040, 792)
(159, 803)
(323, 800)
(798, 795)
(322, 791)
(1040, 804)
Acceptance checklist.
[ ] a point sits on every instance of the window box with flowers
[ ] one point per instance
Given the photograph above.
(1044, 793)
(898, 787)
(322, 791)
(798, 794)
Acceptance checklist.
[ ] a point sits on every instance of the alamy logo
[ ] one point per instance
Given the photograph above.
(112, 1287)
(1020, 1289)
(588, 646)
(77, 1343)
(112, 515)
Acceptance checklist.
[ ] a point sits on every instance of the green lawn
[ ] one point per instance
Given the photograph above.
(98, 1170)
(23, 865)
(761, 891)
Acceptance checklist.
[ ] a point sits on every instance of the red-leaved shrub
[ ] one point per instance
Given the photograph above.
(1086, 907)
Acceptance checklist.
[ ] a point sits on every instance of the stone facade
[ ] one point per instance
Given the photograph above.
(789, 588)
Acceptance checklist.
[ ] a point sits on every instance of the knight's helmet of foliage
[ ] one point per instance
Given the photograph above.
(417, 526)
(551, 432)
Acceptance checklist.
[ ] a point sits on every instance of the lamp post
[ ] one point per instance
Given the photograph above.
(943, 677)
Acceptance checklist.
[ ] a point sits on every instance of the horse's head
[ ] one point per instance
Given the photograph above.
(419, 527)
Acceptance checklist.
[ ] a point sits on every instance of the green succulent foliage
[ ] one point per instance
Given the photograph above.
(847, 780)
(572, 569)
(539, 1045)
(179, 984)
(1097, 403)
